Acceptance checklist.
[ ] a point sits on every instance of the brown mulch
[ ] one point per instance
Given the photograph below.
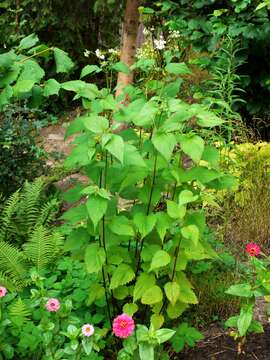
(222, 347)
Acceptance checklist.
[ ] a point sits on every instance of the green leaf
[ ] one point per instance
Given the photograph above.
(132, 156)
(186, 197)
(157, 321)
(22, 87)
(130, 309)
(144, 223)
(28, 42)
(185, 334)
(63, 62)
(115, 146)
(160, 259)
(174, 311)
(152, 295)
(177, 68)
(96, 208)
(94, 258)
(31, 71)
(243, 290)
(121, 67)
(186, 295)
(89, 69)
(211, 155)
(164, 335)
(172, 291)
(146, 351)
(96, 124)
(120, 225)
(163, 223)
(244, 319)
(191, 232)
(175, 211)
(164, 144)
(122, 275)
(143, 283)
(193, 146)
(51, 87)
(207, 119)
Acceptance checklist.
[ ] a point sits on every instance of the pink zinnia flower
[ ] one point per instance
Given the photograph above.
(88, 330)
(3, 291)
(253, 249)
(52, 305)
(123, 326)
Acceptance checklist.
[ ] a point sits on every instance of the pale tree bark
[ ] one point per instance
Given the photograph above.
(129, 42)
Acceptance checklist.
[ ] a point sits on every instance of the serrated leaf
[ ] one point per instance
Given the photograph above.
(120, 225)
(96, 124)
(22, 87)
(94, 258)
(193, 146)
(144, 223)
(96, 208)
(243, 290)
(28, 42)
(122, 275)
(186, 295)
(157, 321)
(144, 282)
(178, 68)
(164, 144)
(89, 69)
(244, 320)
(186, 197)
(160, 259)
(152, 295)
(115, 146)
(63, 62)
(130, 309)
(172, 291)
(191, 232)
(121, 67)
(174, 210)
(51, 87)
(174, 311)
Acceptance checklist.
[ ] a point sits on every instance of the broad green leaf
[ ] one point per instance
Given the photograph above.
(208, 119)
(22, 87)
(164, 144)
(120, 225)
(51, 87)
(193, 146)
(143, 283)
(31, 71)
(186, 295)
(76, 240)
(177, 68)
(211, 155)
(89, 69)
(144, 223)
(174, 311)
(132, 156)
(160, 259)
(146, 351)
(144, 115)
(96, 208)
(164, 335)
(28, 42)
(94, 258)
(172, 291)
(130, 309)
(243, 290)
(121, 67)
(174, 210)
(191, 232)
(6, 95)
(186, 197)
(63, 62)
(152, 295)
(121, 292)
(115, 146)
(122, 275)
(96, 124)
(157, 321)
(244, 319)
(163, 223)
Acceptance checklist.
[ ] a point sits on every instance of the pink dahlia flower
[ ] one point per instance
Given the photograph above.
(253, 249)
(52, 305)
(88, 330)
(123, 326)
(3, 291)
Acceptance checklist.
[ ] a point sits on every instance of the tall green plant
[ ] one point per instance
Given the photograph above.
(141, 221)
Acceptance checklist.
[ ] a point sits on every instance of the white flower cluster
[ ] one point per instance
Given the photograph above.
(174, 34)
(160, 43)
(86, 53)
(99, 55)
(113, 51)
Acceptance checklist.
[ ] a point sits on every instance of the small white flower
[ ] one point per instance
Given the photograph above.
(112, 51)
(86, 53)
(160, 44)
(146, 31)
(99, 55)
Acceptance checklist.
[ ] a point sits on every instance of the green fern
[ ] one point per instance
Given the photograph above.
(19, 312)
(42, 247)
(7, 215)
(12, 263)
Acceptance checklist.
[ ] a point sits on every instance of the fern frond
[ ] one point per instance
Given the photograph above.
(9, 284)
(42, 247)
(47, 212)
(7, 214)
(12, 262)
(19, 312)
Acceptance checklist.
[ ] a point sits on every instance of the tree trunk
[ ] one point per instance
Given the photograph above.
(129, 37)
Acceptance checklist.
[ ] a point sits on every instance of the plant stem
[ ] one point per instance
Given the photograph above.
(36, 54)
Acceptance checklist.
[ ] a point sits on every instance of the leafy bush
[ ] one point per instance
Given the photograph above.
(20, 158)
